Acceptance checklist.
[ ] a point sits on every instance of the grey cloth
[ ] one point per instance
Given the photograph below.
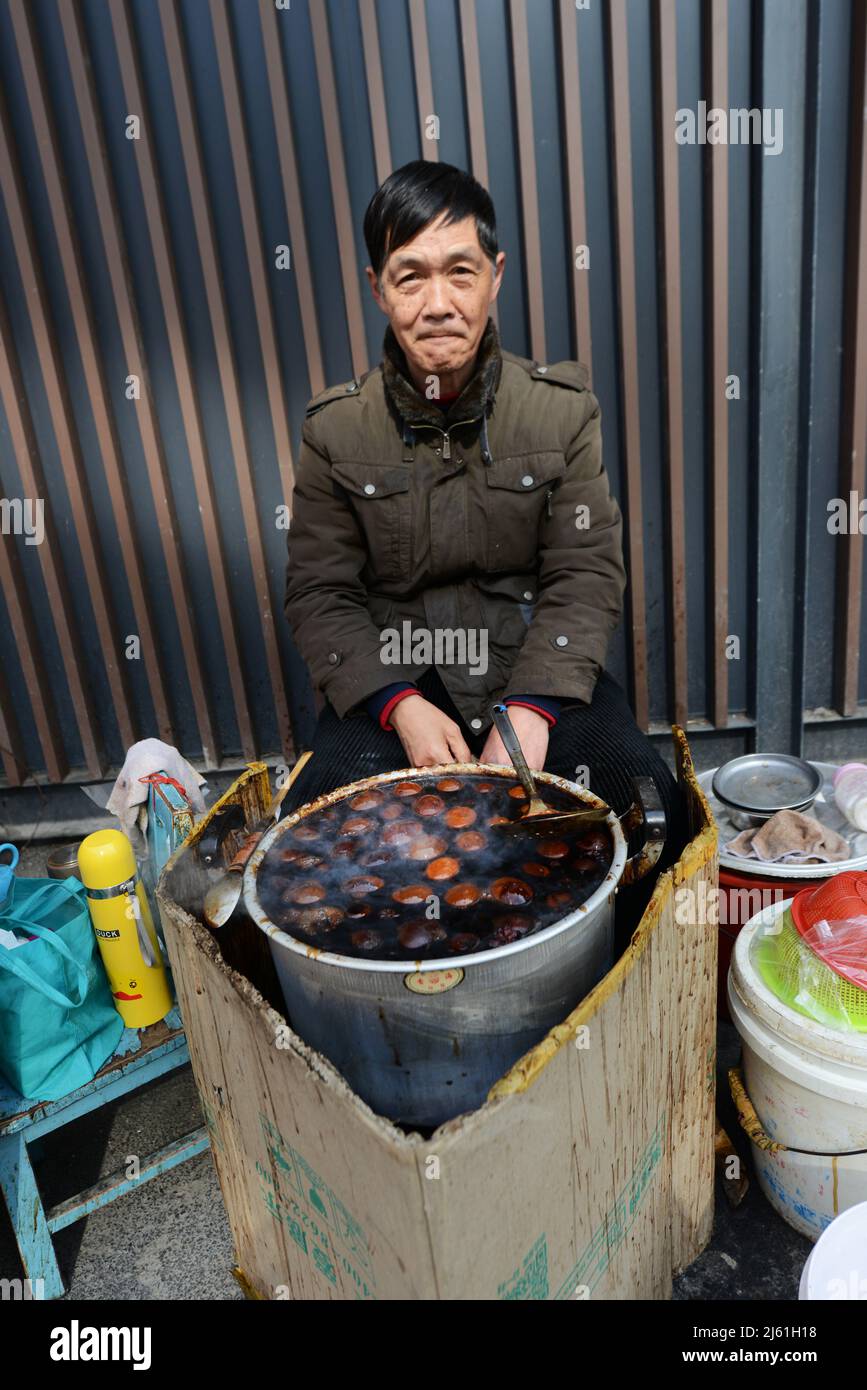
(790, 837)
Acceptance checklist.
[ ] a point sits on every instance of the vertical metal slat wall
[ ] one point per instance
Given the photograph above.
(181, 268)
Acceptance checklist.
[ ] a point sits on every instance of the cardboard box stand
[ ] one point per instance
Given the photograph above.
(587, 1173)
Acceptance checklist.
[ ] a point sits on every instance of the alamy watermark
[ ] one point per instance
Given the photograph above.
(23, 516)
(22, 1290)
(732, 908)
(77, 1343)
(740, 126)
(847, 516)
(438, 646)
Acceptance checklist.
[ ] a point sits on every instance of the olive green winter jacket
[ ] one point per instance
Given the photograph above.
(492, 522)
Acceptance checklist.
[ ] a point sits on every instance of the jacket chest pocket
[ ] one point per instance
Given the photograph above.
(379, 497)
(518, 495)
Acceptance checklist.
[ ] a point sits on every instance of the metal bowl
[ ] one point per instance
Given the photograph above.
(755, 787)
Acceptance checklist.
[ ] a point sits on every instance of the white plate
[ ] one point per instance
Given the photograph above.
(824, 808)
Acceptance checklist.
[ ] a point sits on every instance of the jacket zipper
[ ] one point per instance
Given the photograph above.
(548, 498)
(447, 448)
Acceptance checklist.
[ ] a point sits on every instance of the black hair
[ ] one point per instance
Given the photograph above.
(417, 194)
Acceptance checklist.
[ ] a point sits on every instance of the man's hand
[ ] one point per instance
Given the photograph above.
(427, 734)
(532, 731)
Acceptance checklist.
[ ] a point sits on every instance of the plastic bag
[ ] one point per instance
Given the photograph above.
(821, 971)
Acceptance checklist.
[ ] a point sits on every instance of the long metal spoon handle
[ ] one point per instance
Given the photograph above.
(507, 733)
(277, 800)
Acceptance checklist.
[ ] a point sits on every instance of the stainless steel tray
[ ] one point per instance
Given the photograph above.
(768, 782)
(824, 809)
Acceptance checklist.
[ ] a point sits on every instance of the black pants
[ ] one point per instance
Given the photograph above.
(602, 736)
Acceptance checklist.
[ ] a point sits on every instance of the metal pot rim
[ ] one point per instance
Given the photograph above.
(403, 967)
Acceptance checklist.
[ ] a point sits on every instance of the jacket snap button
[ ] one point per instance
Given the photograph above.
(475, 723)
(369, 489)
(333, 658)
(541, 370)
(351, 386)
(527, 480)
(562, 641)
(528, 594)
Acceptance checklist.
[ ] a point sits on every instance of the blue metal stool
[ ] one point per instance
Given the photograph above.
(141, 1056)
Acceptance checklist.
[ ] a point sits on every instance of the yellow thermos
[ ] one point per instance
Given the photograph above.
(121, 918)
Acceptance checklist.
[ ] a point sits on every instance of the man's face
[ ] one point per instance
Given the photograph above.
(436, 291)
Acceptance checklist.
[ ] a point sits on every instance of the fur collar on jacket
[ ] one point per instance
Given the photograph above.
(475, 401)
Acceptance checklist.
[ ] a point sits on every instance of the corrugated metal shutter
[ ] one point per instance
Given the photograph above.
(157, 350)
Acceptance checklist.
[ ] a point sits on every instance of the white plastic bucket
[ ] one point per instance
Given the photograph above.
(810, 1190)
(808, 1083)
(837, 1267)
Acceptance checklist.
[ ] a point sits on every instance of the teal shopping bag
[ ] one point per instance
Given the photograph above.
(58, 1023)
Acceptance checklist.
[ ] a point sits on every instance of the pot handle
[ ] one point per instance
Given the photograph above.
(219, 828)
(646, 809)
(244, 853)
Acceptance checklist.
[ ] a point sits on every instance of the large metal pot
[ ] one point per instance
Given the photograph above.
(423, 1041)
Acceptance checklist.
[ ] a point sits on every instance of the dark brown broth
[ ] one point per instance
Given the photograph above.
(379, 854)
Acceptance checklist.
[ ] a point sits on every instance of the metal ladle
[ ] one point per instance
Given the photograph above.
(539, 819)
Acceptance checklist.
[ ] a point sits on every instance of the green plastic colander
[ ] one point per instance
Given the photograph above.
(800, 979)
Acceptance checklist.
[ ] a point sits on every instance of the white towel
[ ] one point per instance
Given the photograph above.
(128, 800)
